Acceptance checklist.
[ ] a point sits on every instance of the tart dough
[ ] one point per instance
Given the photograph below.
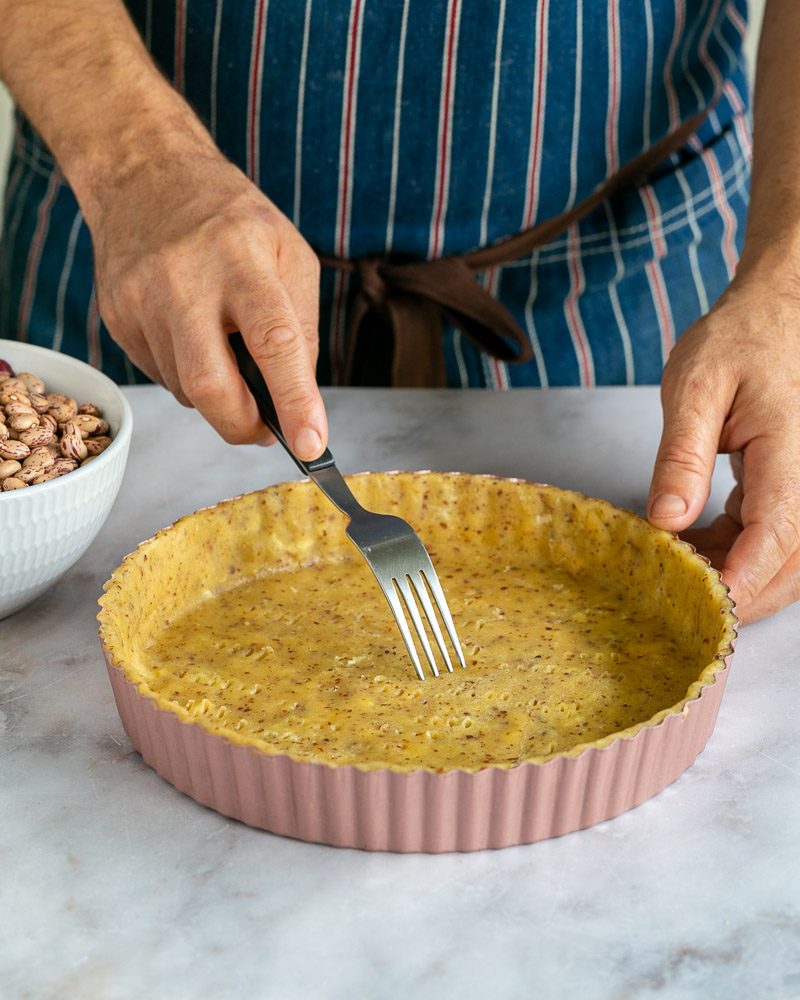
(259, 621)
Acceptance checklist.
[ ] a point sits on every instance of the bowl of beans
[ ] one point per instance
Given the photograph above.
(65, 430)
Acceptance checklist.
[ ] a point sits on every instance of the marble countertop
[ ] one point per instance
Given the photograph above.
(116, 886)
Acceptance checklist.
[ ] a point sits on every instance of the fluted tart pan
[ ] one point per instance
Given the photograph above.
(256, 668)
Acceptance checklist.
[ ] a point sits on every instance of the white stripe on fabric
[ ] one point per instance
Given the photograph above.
(346, 149)
(740, 120)
(538, 107)
(530, 325)
(740, 127)
(497, 370)
(215, 67)
(669, 84)
(498, 66)
(736, 19)
(348, 127)
(699, 284)
(614, 88)
(446, 102)
(705, 57)
(256, 73)
(729, 220)
(572, 315)
(63, 281)
(687, 71)
(489, 377)
(398, 110)
(729, 224)
(712, 168)
(576, 108)
(661, 305)
(655, 275)
(13, 180)
(301, 104)
(733, 59)
(648, 74)
(613, 294)
(458, 351)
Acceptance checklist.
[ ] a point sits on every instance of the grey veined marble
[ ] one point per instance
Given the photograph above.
(116, 886)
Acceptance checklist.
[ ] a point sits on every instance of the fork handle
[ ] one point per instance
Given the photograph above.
(322, 470)
(251, 373)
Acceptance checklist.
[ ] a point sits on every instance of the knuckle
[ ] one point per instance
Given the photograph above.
(297, 398)
(687, 391)
(170, 271)
(205, 384)
(784, 533)
(275, 342)
(684, 457)
(231, 433)
(245, 239)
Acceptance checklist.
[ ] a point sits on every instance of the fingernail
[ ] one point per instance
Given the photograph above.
(668, 505)
(308, 443)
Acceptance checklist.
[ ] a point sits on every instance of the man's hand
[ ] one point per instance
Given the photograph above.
(732, 384)
(189, 250)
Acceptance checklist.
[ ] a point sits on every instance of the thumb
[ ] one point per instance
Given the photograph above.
(685, 460)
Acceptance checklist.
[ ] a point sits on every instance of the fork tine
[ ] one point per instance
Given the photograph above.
(402, 624)
(422, 593)
(430, 577)
(408, 597)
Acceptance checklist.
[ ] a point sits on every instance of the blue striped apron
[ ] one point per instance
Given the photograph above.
(421, 129)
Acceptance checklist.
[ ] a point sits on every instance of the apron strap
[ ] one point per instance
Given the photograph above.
(400, 309)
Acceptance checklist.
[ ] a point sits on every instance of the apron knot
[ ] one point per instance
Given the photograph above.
(371, 282)
(396, 329)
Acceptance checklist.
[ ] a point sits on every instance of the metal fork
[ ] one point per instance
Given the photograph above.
(391, 547)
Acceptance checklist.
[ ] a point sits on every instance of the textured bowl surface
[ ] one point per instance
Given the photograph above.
(209, 750)
(45, 529)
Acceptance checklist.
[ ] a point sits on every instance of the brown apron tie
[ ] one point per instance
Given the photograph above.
(406, 304)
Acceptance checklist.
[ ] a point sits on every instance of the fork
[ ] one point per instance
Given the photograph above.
(391, 547)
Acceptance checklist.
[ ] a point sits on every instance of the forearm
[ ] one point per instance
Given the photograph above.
(774, 215)
(81, 73)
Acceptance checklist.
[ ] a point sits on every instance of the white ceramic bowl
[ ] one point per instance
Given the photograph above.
(45, 529)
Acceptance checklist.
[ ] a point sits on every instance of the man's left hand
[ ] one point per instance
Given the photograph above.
(732, 385)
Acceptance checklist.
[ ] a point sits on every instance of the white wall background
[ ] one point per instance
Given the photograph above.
(756, 13)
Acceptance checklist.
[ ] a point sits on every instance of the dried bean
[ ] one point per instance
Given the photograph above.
(9, 468)
(14, 449)
(31, 382)
(23, 421)
(44, 435)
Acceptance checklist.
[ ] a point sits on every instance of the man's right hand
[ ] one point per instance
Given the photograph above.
(188, 250)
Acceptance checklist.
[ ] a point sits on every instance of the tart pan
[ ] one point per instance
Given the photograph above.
(420, 810)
